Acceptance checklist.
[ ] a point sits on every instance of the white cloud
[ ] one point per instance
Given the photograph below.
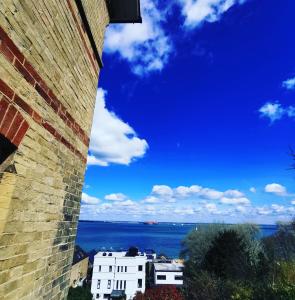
(210, 194)
(126, 203)
(151, 199)
(162, 191)
(184, 211)
(275, 111)
(116, 197)
(196, 12)
(276, 188)
(233, 194)
(106, 206)
(289, 84)
(263, 210)
(253, 190)
(293, 202)
(272, 110)
(278, 208)
(86, 199)
(112, 140)
(211, 207)
(185, 191)
(235, 201)
(145, 46)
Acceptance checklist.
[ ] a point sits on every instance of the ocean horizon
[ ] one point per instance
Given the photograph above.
(164, 237)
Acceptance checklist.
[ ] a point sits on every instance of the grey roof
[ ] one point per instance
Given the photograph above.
(168, 267)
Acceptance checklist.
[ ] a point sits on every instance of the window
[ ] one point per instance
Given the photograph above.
(125, 269)
(117, 285)
(121, 284)
(109, 284)
(97, 296)
(122, 269)
(118, 269)
(110, 268)
(140, 267)
(124, 284)
(6, 148)
(139, 283)
(99, 268)
(161, 277)
(106, 296)
(98, 284)
(178, 277)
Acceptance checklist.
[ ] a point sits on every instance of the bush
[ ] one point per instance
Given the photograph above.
(160, 293)
(79, 293)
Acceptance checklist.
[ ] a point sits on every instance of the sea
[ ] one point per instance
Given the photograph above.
(163, 238)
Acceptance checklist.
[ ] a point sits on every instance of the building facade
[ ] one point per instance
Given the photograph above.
(168, 273)
(50, 58)
(115, 271)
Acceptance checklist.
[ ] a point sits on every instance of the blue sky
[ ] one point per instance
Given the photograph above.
(195, 115)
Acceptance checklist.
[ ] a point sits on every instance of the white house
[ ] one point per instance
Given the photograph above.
(168, 272)
(116, 274)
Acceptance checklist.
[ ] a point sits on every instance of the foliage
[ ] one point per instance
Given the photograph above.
(228, 257)
(231, 262)
(79, 293)
(160, 293)
(281, 245)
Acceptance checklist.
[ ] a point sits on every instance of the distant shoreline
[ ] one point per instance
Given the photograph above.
(186, 223)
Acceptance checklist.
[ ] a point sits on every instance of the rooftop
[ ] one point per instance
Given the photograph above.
(168, 267)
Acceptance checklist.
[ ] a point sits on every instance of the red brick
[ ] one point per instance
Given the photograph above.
(49, 128)
(13, 48)
(22, 104)
(6, 90)
(20, 133)
(6, 52)
(42, 93)
(55, 105)
(3, 108)
(15, 126)
(7, 122)
(32, 71)
(37, 118)
(24, 72)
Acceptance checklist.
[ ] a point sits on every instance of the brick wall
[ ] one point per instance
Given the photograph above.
(48, 81)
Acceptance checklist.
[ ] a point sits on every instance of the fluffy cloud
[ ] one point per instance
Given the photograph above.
(293, 202)
(233, 194)
(235, 201)
(289, 84)
(89, 200)
(196, 12)
(253, 190)
(278, 208)
(116, 197)
(276, 188)
(112, 140)
(185, 191)
(184, 211)
(275, 111)
(211, 207)
(162, 191)
(145, 46)
(151, 199)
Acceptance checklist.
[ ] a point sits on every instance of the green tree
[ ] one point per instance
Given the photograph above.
(228, 257)
(79, 293)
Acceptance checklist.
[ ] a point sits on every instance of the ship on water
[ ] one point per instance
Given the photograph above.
(150, 222)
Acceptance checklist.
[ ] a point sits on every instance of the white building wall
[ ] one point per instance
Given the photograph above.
(128, 274)
(169, 278)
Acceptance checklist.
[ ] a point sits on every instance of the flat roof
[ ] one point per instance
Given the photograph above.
(168, 267)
